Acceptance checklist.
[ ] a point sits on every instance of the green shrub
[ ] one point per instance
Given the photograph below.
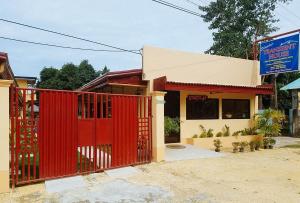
(195, 136)
(236, 133)
(172, 126)
(219, 134)
(205, 133)
(249, 131)
(269, 122)
(210, 133)
(226, 131)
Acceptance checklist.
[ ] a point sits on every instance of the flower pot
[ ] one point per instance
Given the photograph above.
(271, 146)
(242, 149)
(252, 149)
(235, 150)
(257, 148)
(217, 150)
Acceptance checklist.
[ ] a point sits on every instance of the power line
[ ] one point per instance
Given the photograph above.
(177, 7)
(191, 2)
(67, 35)
(289, 10)
(61, 46)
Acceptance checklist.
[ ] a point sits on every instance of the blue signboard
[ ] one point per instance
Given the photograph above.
(280, 55)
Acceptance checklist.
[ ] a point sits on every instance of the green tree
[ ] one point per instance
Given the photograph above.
(86, 72)
(237, 23)
(48, 78)
(69, 77)
(103, 71)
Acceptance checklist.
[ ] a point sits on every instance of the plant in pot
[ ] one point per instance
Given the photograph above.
(252, 145)
(258, 144)
(235, 146)
(172, 128)
(243, 145)
(195, 136)
(218, 145)
(266, 142)
(203, 133)
(272, 142)
(226, 131)
(210, 133)
(219, 134)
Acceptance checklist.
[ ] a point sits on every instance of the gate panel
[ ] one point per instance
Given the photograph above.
(62, 133)
(57, 133)
(124, 116)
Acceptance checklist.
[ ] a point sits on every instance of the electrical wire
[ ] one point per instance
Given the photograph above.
(67, 35)
(60, 46)
(177, 7)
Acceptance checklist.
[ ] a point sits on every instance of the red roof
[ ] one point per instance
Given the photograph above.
(161, 84)
(130, 77)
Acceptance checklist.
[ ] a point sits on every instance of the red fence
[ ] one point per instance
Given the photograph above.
(64, 133)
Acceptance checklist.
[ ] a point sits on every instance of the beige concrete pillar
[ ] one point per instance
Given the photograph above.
(4, 135)
(158, 126)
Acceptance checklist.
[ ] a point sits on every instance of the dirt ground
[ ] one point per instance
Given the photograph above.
(262, 176)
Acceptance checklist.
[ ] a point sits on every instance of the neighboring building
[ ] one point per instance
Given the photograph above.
(294, 112)
(213, 91)
(6, 73)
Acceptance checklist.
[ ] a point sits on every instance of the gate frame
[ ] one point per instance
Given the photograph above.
(12, 122)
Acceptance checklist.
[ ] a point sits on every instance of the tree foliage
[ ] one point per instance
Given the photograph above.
(69, 77)
(237, 23)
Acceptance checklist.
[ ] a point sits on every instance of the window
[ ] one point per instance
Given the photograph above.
(202, 108)
(235, 108)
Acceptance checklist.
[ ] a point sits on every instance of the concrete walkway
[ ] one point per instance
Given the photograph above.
(189, 152)
(283, 141)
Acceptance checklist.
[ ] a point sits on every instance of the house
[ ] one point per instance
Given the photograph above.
(213, 91)
(294, 113)
(6, 73)
(198, 89)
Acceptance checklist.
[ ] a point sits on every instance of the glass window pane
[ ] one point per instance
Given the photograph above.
(202, 109)
(235, 108)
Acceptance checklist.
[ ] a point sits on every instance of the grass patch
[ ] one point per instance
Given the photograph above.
(294, 146)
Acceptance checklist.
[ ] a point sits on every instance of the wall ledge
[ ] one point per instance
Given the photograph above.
(5, 83)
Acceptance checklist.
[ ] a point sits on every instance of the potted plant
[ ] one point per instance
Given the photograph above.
(172, 129)
(235, 147)
(266, 142)
(226, 131)
(218, 145)
(219, 134)
(210, 133)
(243, 145)
(272, 142)
(257, 144)
(252, 146)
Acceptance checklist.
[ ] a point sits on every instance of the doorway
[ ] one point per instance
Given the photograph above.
(172, 117)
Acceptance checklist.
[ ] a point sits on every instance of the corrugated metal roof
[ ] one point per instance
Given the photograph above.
(292, 86)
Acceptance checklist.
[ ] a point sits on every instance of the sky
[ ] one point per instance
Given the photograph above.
(129, 24)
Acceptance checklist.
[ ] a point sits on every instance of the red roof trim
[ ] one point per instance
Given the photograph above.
(161, 84)
(113, 77)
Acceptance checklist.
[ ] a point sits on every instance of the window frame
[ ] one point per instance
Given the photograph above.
(189, 117)
(248, 116)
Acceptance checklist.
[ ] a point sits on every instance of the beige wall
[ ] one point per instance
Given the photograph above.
(4, 135)
(190, 127)
(197, 68)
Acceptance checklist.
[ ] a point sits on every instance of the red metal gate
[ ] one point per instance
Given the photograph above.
(64, 133)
